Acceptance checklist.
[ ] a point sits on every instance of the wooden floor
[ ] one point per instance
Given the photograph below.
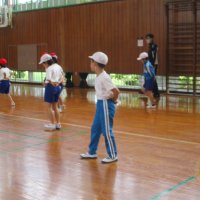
(159, 150)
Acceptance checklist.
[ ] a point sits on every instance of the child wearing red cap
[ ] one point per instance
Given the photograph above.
(5, 74)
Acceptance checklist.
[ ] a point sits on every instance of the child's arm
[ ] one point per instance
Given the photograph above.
(150, 71)
(4, 74)
(62, 80)
(115, 94)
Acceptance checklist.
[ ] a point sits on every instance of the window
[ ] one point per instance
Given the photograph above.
(27, 5)
(129, 81)
(27, 76)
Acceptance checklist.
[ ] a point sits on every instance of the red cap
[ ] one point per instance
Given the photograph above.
(3, 61)
(53, 54)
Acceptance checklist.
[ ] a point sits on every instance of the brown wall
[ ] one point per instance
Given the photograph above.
(76, 32)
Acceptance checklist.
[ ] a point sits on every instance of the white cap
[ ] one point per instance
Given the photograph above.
(44, 58)
(100, 58)
(143, 55)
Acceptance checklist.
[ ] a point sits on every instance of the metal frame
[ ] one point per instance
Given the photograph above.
(182, 5)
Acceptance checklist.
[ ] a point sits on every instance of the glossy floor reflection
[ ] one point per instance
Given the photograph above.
(158, 149)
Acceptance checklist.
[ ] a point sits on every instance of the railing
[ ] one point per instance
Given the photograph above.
(184, 85)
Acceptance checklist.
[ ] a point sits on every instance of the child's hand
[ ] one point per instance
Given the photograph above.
(115, 94)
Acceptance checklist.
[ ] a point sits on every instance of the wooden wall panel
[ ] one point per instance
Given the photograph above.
(12, 56)
(76, 32)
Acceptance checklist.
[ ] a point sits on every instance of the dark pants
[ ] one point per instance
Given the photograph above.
(156, 93)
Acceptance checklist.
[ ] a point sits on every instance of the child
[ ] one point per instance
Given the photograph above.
(52, 90)
(149, 78)
(107, 95)
(60, 102)
(5, 74)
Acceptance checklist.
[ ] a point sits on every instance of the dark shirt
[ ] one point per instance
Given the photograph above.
(153, 57)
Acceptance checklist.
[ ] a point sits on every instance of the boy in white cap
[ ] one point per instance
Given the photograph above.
(107, 95)
(149, 78)
(52, 90)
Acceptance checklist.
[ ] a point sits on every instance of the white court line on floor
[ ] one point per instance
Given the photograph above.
(116, 131)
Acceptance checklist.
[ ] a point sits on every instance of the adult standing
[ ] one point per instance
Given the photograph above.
(153, 58)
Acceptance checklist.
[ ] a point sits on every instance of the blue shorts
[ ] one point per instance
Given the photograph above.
(4, 86)
(52, 93)
(149, 84)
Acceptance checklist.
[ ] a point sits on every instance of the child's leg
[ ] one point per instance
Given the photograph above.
(60, 102)
(6, 87)
(150, 95)
(107, 126)
(11, 100)
(56, 112)
(51, 113)
(156, 93)
(95, 133)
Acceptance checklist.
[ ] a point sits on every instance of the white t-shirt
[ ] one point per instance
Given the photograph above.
(5, 70)
(54, 73)
(103, 86)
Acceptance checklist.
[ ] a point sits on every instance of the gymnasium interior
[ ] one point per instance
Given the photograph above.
(158, 149)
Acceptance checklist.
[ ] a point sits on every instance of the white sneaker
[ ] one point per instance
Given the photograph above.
(88, 156)
(151, 106)
(109, 160)
(50, 126)
(58, 126)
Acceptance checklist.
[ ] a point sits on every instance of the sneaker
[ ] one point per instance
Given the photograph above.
(13, 104)
(88, 156)
(109, 160)
(58, 126)
(50, 126)
(151, 106)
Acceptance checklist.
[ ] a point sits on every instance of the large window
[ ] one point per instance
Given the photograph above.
(26, 5)
(128, 81)
(124, 81)
(28, 77)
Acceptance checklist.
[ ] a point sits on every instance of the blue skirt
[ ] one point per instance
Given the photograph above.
(149, 84)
